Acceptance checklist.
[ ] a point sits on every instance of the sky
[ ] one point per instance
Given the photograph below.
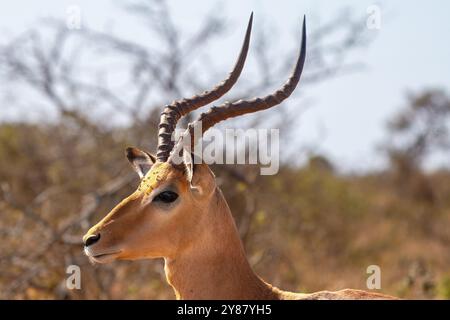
(410, 52)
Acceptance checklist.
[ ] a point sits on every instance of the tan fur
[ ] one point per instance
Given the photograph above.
(197, 237)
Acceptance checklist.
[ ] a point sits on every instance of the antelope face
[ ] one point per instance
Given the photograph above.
(167, 212)
(158, 219)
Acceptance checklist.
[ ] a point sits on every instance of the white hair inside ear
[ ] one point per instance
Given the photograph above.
(188, 163)
(140, 160)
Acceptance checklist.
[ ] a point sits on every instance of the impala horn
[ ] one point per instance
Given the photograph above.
(173, 112)
(230, 110)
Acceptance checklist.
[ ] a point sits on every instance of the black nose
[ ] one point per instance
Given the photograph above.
(92, 239)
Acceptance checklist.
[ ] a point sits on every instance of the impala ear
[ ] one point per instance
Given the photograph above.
(141, 161)
(188, 162)
(200, 177)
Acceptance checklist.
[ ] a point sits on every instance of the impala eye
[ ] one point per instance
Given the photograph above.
(166, 197)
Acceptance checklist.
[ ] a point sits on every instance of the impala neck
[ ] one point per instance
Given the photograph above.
(215, 266)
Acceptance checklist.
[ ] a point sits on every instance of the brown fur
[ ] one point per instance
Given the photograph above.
(197, 237)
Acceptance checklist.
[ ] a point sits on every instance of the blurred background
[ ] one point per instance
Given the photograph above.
(364, 177)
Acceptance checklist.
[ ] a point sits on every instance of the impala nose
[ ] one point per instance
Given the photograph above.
(91, 239)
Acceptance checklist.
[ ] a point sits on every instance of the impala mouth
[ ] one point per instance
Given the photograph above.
(101, 257)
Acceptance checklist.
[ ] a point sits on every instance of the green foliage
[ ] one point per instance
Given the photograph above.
(444, 287)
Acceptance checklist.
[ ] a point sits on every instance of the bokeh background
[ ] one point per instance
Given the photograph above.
(364, 177)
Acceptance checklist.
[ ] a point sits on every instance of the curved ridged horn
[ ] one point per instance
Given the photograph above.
(229, 110)
(173, 112)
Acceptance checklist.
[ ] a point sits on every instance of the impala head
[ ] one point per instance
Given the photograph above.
(167, 212)
(159, 218)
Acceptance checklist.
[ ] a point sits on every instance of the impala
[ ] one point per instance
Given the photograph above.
(178, 212)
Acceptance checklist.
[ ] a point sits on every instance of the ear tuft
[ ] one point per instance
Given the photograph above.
(141, 161)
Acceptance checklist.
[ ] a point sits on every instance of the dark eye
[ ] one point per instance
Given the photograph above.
(166, 197)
